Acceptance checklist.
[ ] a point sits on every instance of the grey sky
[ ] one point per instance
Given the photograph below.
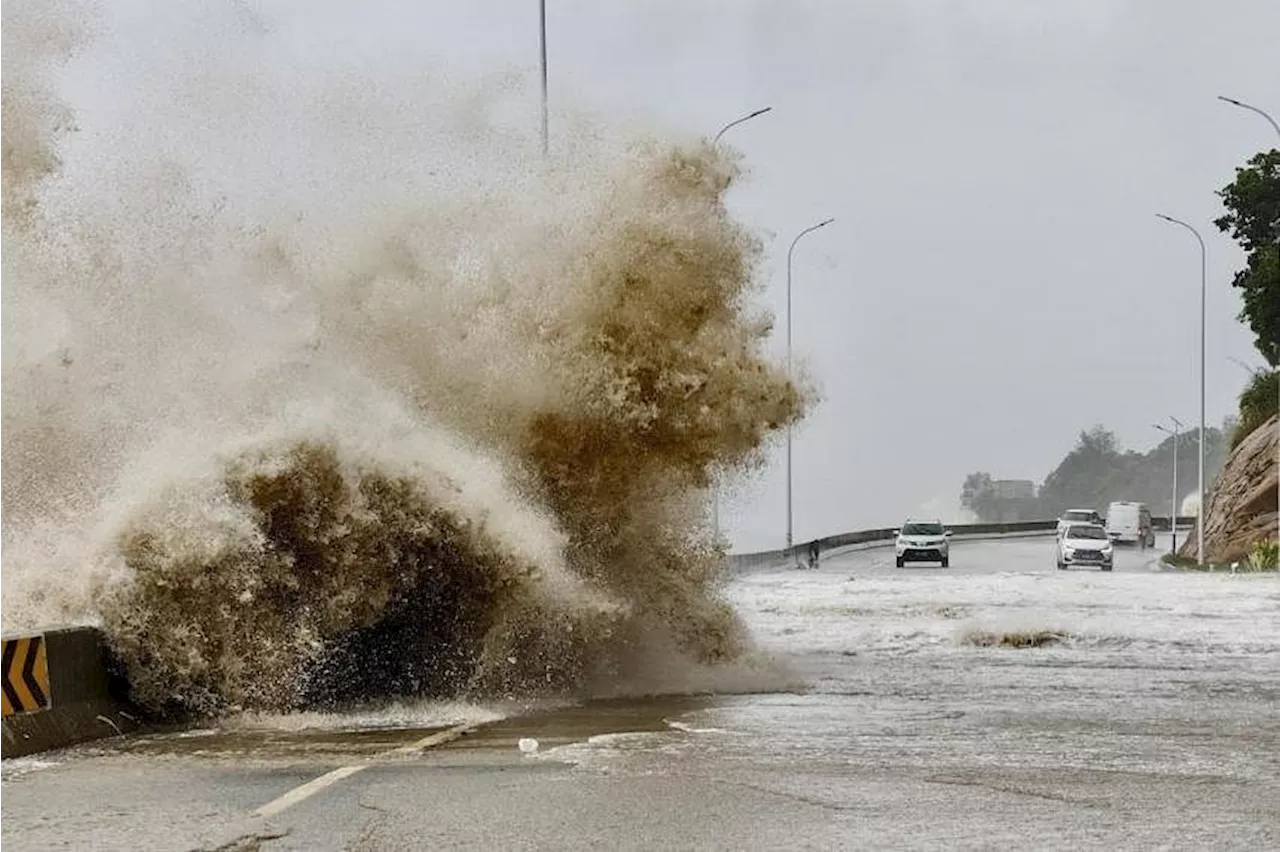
(994, 168)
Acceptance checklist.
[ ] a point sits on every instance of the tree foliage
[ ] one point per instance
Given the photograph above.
(981, 496)
(1097, 472)
(1258, 402)
(1253, 220)
(977, 494)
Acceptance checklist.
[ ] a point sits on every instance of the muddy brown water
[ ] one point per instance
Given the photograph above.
(551, 727)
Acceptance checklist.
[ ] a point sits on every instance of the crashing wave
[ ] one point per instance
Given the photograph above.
(299, 426)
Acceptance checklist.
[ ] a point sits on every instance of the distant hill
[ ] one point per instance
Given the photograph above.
(1097, 472)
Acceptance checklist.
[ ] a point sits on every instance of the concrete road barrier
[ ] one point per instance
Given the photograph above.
(59, 690)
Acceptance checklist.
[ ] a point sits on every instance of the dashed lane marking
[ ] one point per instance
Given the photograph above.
(306, 791)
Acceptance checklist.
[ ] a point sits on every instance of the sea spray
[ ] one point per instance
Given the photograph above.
(307, 406)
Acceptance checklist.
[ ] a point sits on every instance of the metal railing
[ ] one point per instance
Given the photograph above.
(746, 561)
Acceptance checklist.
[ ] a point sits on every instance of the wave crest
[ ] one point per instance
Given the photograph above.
(301, 428)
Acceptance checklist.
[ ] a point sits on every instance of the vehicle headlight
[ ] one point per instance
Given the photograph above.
(1106, 548)
(1068, 552)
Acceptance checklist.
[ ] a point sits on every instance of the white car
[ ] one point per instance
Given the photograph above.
(1084, 544)
(1078, 516)
(923, 541)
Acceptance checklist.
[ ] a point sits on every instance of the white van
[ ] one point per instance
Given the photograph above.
(1130, 522)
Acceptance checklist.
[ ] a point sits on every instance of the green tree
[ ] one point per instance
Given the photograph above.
(1085, 477)
(978, 495)
(1257, 404)
(1096, 472)
(1253, 220)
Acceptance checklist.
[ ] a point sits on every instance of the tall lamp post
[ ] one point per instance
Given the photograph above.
(1204, 278)
(1276, 128)
(542, 49)
(715, 491)
(1251, 108)
(790, 252)
(1173, 505)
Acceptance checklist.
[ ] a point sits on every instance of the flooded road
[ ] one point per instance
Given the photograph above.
(998, 703)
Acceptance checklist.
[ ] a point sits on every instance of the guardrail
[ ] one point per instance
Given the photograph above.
(747, 561)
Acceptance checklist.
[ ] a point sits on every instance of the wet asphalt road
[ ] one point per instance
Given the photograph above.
(1141, 713)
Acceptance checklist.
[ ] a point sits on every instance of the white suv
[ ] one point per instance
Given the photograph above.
(923, 541)
(1078, 516)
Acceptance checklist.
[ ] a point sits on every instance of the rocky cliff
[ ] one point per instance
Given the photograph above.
(1242, 504)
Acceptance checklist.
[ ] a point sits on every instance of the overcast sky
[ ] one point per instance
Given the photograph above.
(996, 279)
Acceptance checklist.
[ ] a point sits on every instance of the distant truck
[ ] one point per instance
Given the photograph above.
(1130, 522)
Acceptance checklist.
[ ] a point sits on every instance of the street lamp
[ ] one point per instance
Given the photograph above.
(1204, 277)
(791, 251)
(1173, 506)
(1276, 128)
(738, 121)
(1252, 108)
(1253, 371)
(715, 491)
(542, 47)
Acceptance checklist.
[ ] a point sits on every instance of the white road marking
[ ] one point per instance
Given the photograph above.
(305, 791)
(438, 738)
(298, 794)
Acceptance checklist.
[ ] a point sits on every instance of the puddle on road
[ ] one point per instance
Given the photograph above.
(219, 743)
(579, 722)
(552, 727)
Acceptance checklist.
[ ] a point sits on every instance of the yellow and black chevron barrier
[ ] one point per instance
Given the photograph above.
(26, 675)
(60, 688)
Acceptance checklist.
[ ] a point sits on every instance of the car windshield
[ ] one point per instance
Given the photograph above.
(1077, 516)
(922, 529)
(1086, 532)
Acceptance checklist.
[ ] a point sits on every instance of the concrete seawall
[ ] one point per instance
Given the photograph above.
(59, 690)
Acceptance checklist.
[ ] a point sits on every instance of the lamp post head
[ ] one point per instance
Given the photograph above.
(716, 139)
